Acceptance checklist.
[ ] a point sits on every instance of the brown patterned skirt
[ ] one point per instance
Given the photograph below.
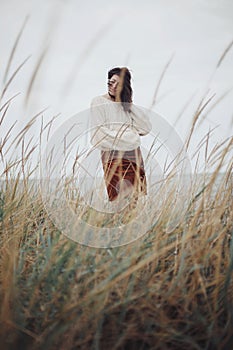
(124, 170)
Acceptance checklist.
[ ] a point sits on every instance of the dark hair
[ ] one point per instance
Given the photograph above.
(124, 91)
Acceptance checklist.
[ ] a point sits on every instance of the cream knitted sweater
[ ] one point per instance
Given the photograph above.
(112, 128)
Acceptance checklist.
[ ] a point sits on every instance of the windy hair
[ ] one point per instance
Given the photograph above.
(124, 90)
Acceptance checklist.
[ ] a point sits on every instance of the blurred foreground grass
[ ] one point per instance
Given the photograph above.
(165, 291)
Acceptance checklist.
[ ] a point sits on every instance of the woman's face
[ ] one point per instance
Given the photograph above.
(112, 84)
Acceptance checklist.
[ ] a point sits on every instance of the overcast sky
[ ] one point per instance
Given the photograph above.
(84, 39)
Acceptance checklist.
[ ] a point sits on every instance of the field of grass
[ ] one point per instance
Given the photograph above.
(170, 289)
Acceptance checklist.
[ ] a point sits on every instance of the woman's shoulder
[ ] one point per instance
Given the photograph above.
(137, 110)
(97, 100)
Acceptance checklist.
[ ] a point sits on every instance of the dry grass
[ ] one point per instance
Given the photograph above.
(167, 290)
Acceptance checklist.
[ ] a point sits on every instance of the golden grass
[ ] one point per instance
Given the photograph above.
(170, 289)
(165, 291)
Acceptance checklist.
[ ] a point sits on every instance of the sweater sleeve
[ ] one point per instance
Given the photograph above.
(110, 136)
(140, 120)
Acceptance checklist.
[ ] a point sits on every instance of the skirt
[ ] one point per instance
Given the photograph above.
(124, 173)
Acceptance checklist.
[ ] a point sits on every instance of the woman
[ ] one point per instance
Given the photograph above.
(117, 125)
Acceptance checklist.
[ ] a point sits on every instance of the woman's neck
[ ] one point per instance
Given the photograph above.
(111, 97)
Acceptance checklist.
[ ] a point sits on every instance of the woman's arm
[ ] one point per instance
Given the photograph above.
(140, 120)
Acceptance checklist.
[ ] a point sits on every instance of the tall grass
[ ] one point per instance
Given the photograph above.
(170, 289)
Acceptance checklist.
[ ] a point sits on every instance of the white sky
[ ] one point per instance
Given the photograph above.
(87, 38)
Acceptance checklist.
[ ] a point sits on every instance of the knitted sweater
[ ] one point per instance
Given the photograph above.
(112, 128)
